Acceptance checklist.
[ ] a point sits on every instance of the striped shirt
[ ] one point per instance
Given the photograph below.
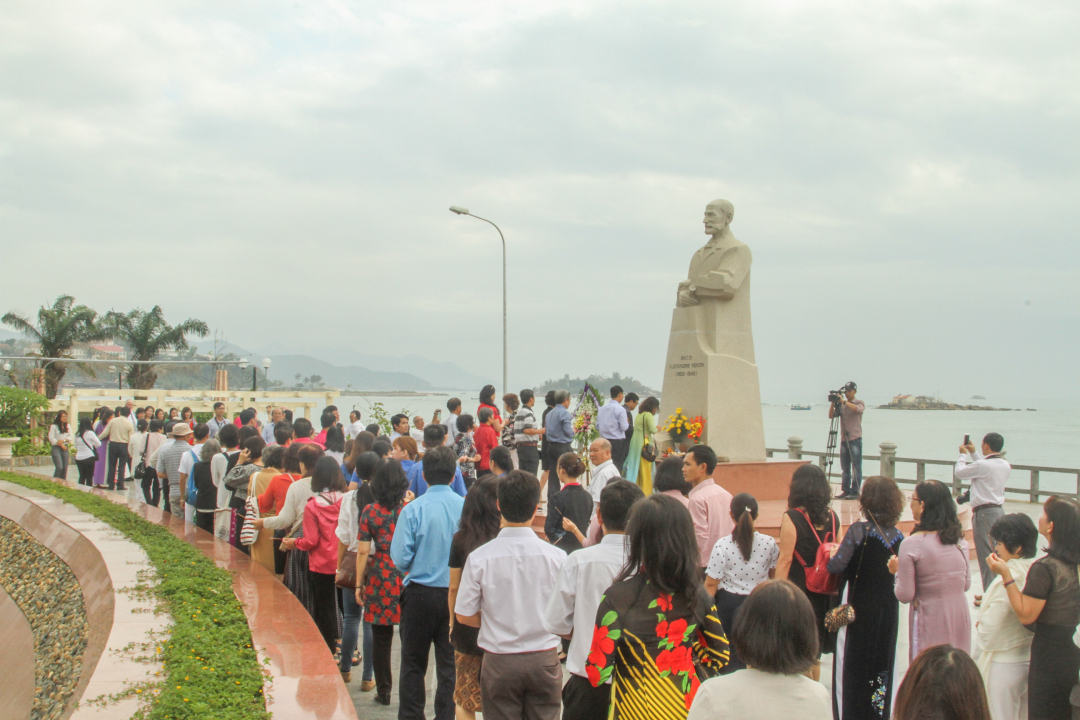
(525, 420)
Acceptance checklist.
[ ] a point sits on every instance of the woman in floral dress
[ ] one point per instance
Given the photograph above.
(381, 588)
(657, 633)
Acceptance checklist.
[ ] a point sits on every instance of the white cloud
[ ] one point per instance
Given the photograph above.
(283, 170)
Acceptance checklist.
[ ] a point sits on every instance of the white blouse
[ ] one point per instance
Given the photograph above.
(737, 575)
(58, 438)
(85, 445)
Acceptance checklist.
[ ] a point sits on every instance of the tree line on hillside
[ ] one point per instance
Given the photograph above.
(601, 382)
(63, 326)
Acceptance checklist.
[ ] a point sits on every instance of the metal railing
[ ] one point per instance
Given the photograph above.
(888, 461)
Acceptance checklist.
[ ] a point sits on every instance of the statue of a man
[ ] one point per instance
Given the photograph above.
(711, 368)
(718, 269)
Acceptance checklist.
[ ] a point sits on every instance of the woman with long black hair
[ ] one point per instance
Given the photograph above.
(86, 445)
(487, 400)
(104, 415)
(866, 649)
(1051, 600)
(59, 440)
(479, 523)
(656, 626)
(381, 589)
(933, 571)
(808, 522)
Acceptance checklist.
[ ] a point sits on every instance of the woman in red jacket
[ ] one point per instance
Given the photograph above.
(320, 542)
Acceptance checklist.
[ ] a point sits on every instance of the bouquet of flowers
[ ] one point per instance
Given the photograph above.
(697, 424)
(681, 428)
(584, 418)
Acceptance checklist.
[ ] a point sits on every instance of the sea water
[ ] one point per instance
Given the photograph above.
(1049, 436)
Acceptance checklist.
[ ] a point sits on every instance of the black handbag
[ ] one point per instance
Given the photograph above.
(140, 470)
(648, 451)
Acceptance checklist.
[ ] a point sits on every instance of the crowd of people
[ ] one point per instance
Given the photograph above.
(648, 580)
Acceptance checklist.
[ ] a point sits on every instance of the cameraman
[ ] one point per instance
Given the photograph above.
(851, 411)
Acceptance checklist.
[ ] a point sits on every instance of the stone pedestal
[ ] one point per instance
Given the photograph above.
(719, 383)
(767, 480)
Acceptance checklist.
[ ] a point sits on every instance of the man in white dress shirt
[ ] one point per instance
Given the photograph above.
(583, 579)
(612, 423)
(989, 473)
(355, 426)
(604, 468)
(505, 587)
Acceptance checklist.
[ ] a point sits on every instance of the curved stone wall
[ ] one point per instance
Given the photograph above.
(59, 582)
(49, 595)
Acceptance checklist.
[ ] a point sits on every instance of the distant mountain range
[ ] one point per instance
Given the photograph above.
(362, 372)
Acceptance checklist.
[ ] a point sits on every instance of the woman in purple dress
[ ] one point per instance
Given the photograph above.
(933, 571)
(104, 415)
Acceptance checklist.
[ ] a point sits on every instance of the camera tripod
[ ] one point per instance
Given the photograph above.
(836, 427)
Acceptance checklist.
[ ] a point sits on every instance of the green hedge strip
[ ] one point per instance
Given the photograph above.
(210, 667)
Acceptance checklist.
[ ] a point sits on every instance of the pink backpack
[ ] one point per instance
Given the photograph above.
(818, 578)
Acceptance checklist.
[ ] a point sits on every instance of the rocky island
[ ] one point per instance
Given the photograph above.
(922, 402)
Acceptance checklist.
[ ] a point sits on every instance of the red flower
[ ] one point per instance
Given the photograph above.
(601, 643)
(694, 685)
(673, 631)
(593, 673)
(663, 601)
(676, 660)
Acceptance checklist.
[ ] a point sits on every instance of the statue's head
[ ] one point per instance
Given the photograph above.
(718, 215)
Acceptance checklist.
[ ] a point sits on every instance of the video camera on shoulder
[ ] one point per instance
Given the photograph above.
(837, 396)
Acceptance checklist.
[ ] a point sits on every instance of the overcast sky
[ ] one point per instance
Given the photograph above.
(905, 173)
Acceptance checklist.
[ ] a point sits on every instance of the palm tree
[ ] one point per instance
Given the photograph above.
(59, 329)
(147, 335)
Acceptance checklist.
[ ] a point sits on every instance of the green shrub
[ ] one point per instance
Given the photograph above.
(17, 406)
(210, 667)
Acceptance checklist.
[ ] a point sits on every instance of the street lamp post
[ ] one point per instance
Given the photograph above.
(255, 372)
(465, 211)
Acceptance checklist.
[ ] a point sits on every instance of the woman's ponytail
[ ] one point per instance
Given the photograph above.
(744, 509)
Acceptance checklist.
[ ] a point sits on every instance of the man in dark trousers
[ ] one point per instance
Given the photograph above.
(421, 550)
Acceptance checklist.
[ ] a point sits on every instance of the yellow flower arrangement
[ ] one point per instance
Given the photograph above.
(681, 428)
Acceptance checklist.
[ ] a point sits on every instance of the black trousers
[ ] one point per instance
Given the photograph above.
(205, 521)
(383, 640)
(425, 621)
(165, 494)
(325, 615)
(528, 458)
(86, 470)
(118, 461)
(727, 605)
(555, 451)
(581, 701)
(619, 449)
(150, 488)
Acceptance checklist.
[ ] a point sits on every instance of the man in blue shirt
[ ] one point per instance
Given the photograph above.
(559, 430)
(612, 422)
(421, 550)
(434, 435)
